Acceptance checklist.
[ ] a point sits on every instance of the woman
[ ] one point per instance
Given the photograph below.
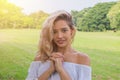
(56, 59)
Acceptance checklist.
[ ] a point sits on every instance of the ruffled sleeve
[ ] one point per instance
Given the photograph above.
(33, 70)
(83, 72)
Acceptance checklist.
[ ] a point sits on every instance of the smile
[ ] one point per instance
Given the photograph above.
(60, 41)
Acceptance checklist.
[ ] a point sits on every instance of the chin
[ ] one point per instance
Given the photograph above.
(62, 45)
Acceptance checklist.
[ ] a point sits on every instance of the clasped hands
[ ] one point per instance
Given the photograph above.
(56, 62)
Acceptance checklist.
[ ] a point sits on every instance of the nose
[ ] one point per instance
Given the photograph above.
(60, 35)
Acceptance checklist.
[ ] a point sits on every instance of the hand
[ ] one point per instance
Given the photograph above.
(52, 67)
(57, 55)
(58, 58)
(58, 64)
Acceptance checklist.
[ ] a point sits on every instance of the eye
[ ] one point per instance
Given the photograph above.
(64, 30)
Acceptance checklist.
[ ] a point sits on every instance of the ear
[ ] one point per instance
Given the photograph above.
(73, 32)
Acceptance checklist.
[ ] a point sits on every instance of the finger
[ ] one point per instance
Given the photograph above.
(52, 63)
(62, 59)
(52, 58)
(54, 55)
(57, 55)
(59, 60)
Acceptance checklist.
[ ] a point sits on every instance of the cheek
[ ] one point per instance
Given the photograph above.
(69, 38)
(54, 38)
(69, 35)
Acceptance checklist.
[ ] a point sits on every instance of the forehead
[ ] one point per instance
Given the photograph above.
(60, 24)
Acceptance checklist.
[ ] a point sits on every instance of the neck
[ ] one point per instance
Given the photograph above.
(65, 50)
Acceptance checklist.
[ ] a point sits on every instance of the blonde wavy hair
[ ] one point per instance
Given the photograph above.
(46, 44)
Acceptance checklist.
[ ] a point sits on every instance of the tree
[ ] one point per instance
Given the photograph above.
(38, 18)
(10, 15)
(94, 18)
(114, 16)
(78, 17)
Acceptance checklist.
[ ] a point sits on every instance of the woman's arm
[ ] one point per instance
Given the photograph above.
(47, 73)
(64, 75)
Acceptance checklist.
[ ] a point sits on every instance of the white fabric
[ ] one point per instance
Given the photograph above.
(76, 71)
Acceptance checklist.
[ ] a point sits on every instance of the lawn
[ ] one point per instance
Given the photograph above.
(18, 48)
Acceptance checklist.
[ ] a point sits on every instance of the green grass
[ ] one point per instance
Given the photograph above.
(18, 48)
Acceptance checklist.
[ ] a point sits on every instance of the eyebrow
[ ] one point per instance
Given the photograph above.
(61, 28)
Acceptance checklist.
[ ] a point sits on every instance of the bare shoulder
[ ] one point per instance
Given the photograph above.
(37, 58)
(83, 58)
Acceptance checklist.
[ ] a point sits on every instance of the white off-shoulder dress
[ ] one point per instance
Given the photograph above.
(76, 71)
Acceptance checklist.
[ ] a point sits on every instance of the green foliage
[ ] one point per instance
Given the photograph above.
(114, 16)
(78, 18)
(101, 17)
(11, 16)
(38, 18)
(95, 18)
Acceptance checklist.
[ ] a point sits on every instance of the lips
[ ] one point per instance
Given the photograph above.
(60, 41)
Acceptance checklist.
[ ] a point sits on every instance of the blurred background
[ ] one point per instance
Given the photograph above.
(98, 34)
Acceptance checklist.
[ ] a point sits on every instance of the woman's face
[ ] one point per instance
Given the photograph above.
(62, 34)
